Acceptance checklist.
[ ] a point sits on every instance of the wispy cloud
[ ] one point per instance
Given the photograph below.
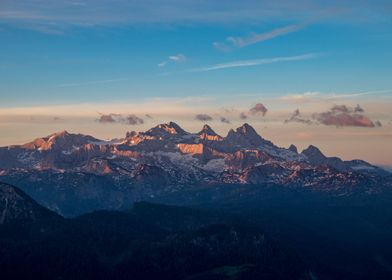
(62, 14)
(94, 82)
(243, 41)
(301, 97)
(178, 58)
(240, 42)
(315, 96)
(255, 62)
(162, 64)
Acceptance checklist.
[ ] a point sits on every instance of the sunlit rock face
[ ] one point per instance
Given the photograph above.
(61, 141)
(208, 134)
(245, 158)
(65, 167)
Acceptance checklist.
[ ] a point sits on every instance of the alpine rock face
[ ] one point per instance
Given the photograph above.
(75, 173)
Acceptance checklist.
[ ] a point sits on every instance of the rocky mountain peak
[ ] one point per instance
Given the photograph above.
(170, 128)
(247, 129)
(59, 135)
(207, 130)
(207, 133)
(60, 140)
(131, 134)
(245, 135)
(173, 127)
(314, 154)
(62, 133)
(293, 148)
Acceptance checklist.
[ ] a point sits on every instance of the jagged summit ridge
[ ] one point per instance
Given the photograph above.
(246, 136)
(165, 129)
(208, 134)
(208, 130)
(246, 129)
(166, 158)
(293, 148)
(60, 140)
(314, 154)
(163, 138)
(176, 158)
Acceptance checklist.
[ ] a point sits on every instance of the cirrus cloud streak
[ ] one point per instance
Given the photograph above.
(256, 62)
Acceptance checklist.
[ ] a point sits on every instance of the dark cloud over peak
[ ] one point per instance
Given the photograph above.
(133, 120)
(203, 117)
(340, 109)
(118, 118)
(109, 118)
(342, 115)
(259, 108)
(297, 117)
(358, 109)
(243, 116)
(225, 120)
(337, 115)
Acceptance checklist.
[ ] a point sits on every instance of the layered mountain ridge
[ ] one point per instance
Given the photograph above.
(166, 158)
(18, 207)
(148, 241)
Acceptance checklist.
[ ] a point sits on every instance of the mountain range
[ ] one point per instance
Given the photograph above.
(74, 173)
(93, 209)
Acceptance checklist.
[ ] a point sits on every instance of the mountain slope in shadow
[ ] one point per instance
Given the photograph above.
(150, 241)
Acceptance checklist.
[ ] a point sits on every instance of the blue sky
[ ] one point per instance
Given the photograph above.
(75, 60)
(53, 56)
